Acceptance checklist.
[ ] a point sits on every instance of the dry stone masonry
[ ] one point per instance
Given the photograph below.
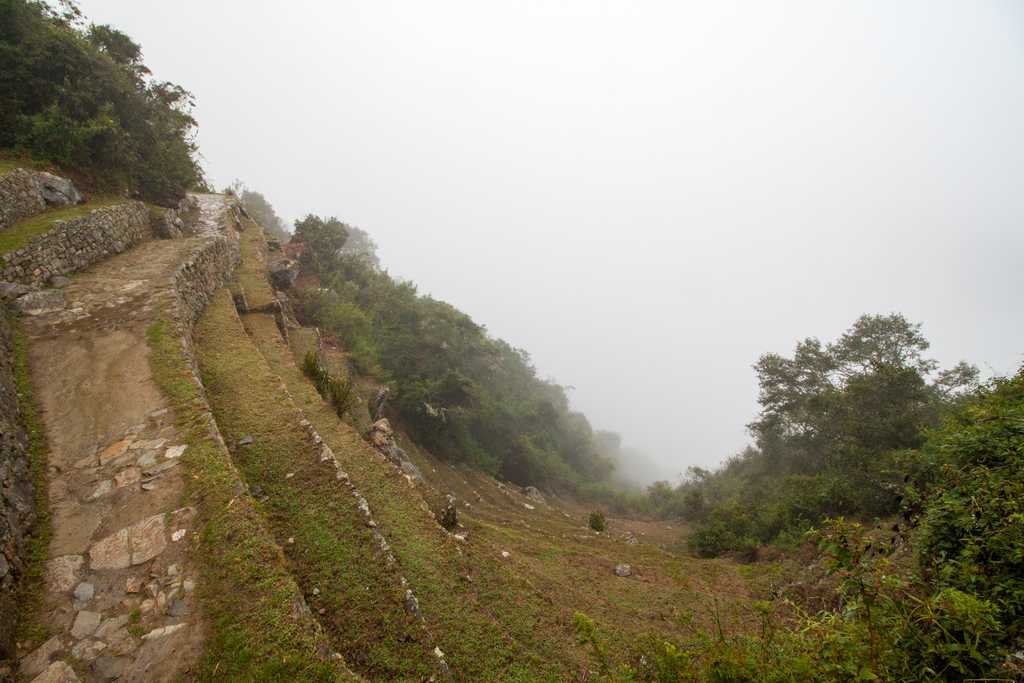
(76, 244)
(17, 497)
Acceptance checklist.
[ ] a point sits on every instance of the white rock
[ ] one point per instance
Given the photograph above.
(505, 554)
(175, 451)
(163, 631)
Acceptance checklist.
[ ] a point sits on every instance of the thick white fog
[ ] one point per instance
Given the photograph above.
(644, 195)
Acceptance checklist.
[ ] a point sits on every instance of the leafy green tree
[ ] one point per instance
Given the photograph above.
(82, 98)
(836, 435)
(324, 240)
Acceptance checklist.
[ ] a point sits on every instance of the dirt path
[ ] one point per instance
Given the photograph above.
(119, 600)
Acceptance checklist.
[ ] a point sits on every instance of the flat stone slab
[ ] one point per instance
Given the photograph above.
(58, 672)
(132, 545)
(62, 572)
(40, 302)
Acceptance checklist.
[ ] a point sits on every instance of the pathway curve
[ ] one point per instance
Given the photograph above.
(120, 601)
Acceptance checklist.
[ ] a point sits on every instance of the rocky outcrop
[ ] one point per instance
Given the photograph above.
(17, 495)
(56, 191)
(72, 245)
(283, 273)
(171, 224)
(533, 493)
(382, 437)
(25, 193)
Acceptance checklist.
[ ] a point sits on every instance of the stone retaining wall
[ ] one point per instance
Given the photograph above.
(172, 223)
(19, 197)
(75, 244)
(205, 271)
(17, 495)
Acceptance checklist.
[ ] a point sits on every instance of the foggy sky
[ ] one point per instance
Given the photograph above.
(645, 196)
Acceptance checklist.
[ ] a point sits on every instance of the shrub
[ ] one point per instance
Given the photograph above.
(597, 521)
(337, 392)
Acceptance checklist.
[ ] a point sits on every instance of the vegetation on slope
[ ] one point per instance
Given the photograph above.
(464, 395)
(80, 96)
(940, 601)
(835, 437)
(332, 553)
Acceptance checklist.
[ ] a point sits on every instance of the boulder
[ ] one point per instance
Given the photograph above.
(56, 191)
(381, 433)
(623, 570)
(449, 515)
(40, 302)
(283, 273)
(533, 493)
(12, 290)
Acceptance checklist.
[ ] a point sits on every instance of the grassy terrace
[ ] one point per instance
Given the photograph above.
(491, 624)
(251, 275)
(330, 551)
(21, 233)
(464, 596)
(499, 619)
(257, 627)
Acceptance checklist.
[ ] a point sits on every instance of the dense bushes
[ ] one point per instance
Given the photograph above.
(939, 599)
(82, 98)
(973, 516)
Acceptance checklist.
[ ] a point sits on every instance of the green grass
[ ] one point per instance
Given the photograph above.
(9, 162)
(334, 556)
(251, 274)
(485, 625)
(21, 233)
(30, 590)
(257, 627)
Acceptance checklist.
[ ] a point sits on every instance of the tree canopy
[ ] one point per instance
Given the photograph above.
(82, 98)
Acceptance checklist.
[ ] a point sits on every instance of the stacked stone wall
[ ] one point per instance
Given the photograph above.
(17, 495)
(74, 244)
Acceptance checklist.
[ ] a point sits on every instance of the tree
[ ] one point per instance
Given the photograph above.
(324, 240)
(83, 99)
(361, 246)
(263, 213)
(870, 391)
